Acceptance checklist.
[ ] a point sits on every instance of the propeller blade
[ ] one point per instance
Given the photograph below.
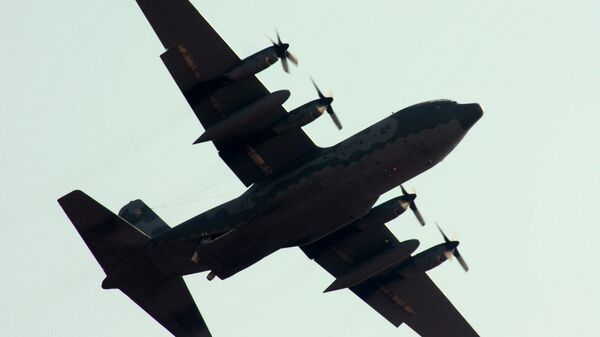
(284, 64)
(282, 52)
(321, 96)
(335, 118)
(443, 234)
(454, 252)
(415, 210)
(292, 58)
(413, 207)
(461, 260)
(326, 101)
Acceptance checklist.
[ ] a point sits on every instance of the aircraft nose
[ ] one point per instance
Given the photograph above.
(469, 114)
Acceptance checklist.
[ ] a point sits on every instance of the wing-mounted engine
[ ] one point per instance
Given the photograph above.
(300, 117)
(260, 118)
(431, 258)
(307, 113)
(385, 212)
(249, 66)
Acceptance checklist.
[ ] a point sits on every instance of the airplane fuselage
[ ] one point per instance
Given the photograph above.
(331, 189)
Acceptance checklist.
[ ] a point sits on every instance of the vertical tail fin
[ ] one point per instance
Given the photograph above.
(143, 218)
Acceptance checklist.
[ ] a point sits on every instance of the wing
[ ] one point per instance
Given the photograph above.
(196, 53)
(417, 301)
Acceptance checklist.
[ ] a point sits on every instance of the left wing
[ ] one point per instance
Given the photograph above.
(194, 54)
(416, 301)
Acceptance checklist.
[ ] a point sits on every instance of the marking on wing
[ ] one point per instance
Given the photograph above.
(189, 60)
(389, 293)
(342, 255)
(258, 160)
(216, 105)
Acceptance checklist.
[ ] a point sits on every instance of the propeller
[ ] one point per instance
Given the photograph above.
(452, 249)
(413, 207)
(282, 52)
(326, 101)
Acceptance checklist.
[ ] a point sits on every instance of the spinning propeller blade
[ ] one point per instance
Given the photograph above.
(326, 101)
(453, 250)
(281, 49)
(413, 207)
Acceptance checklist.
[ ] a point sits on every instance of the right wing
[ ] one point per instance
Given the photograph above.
(415, 301)
(196, 53)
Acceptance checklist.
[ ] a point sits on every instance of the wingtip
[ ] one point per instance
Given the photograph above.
(71, 195)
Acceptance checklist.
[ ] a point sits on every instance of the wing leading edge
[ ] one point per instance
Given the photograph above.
(195, 53)
(415, 301)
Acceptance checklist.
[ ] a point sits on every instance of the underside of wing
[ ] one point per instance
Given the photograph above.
(196, 55)
(365, 260)
(418, 302)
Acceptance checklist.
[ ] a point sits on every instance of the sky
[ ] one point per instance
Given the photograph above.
(87, 104)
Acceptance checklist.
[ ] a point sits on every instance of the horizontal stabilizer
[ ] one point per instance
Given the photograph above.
(108, 236)
(143, 218)
(170, 303)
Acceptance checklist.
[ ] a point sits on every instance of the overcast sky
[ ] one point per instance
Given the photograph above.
(87, 104)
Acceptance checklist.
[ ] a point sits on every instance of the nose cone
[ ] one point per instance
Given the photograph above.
(469, 114)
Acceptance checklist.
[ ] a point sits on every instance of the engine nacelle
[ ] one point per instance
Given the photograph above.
(249, 66)
(423, 261)
(253, 64)
(375, 266)
(248, 119)
(299, 117)
(384, 213)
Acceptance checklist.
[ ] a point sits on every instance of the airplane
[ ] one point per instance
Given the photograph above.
(299, 194)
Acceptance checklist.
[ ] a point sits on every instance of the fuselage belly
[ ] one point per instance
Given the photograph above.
(337, 186)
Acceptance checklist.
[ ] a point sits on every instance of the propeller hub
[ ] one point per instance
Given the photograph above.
(451, 245)
(408, 198)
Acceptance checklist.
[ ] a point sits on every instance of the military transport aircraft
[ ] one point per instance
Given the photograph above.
(320, 199)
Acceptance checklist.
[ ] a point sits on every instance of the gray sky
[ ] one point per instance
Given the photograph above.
(86, 103)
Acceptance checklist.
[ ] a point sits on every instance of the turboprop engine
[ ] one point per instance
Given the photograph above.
(262, 60)
(300, 116)
(385, 212)
(307, 113)
(431, 258)
(261, 117)
(247, 67)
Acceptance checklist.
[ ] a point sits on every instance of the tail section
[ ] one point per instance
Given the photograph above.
(118, 246)
(143, 218)
(109, 238)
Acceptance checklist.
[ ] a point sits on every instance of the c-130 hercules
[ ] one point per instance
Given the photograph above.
(320, 199)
